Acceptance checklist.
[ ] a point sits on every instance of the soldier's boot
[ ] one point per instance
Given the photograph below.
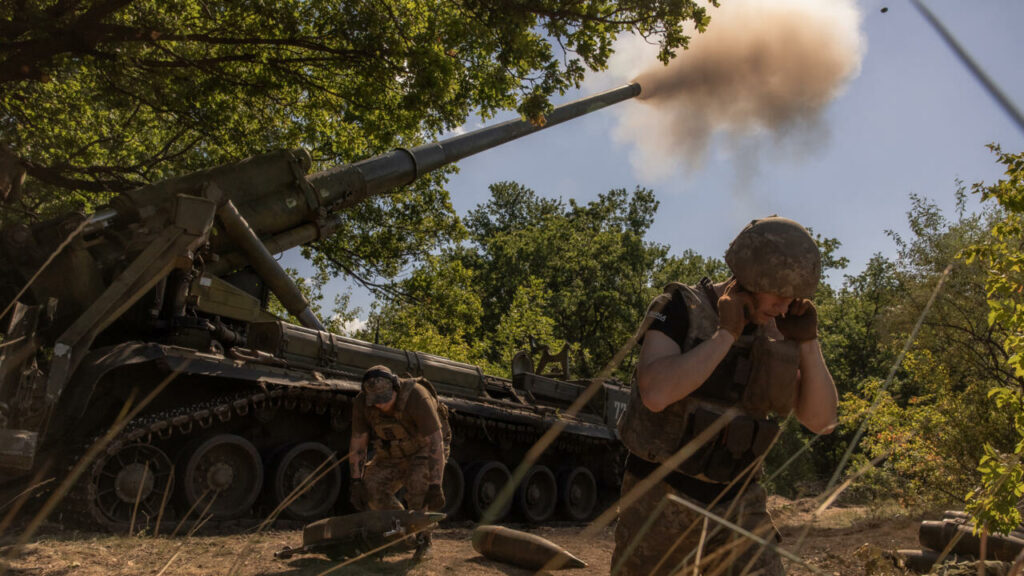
(423, 547)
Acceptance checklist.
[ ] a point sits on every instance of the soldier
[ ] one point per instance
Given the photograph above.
(409, 446)
(749, 344)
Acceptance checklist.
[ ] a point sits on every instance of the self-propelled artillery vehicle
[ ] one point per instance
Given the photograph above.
(147, 321)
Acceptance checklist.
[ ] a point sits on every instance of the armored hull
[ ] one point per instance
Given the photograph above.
(252, 434)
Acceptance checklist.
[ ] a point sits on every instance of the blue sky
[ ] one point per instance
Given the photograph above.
(912, 122)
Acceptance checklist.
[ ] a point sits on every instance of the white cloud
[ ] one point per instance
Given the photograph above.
(352, 326)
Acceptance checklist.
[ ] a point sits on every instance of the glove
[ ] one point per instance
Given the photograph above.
(734, 307)
(434, 499)
(358, 495)
(800, 322)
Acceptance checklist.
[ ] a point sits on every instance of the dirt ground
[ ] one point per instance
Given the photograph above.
(842, 541)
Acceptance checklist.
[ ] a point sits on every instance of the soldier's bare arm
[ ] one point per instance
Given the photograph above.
(666, 375)
(357, 454)
(435, 457)
(817, 400)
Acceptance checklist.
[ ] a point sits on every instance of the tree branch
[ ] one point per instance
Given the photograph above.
(58, 177)
(389, 289)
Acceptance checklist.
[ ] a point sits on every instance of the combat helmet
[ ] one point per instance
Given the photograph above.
(379, 383)
(775, 255)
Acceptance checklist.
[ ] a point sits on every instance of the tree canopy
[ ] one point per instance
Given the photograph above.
(98, 97)
(532, 267)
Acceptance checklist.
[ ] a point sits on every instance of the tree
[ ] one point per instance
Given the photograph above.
(99, 97)
(689, 267)
(535, 267)
(854, 329)
(929, 422)
(995, 503)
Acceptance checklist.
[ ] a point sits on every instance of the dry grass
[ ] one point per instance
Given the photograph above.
(840, 543)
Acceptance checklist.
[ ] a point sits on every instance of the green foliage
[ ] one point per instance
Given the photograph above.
(829, 247)
(535, 267)
(917, 439)
(854, 324)
(929, 425)
(1003, 256)
(526, 319)
(690, 267)
(995, 503)
(437, 314)
(791, 468)
(98, 98)
(377, 240)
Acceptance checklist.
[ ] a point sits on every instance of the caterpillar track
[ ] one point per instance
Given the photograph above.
(193, 459)
(277, 454)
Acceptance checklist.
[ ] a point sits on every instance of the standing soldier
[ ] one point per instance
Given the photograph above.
(749, 343)
(409, 446)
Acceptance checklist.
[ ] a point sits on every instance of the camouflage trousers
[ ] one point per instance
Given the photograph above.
(384, 477)
(671, 541)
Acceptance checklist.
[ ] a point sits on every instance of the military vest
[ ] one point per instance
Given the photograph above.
(757, 376)
(395, 433)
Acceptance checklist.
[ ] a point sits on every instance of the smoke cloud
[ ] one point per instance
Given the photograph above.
(762, 74)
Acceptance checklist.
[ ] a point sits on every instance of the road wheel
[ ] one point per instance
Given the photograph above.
(130, 487)
(485, 480)
(537, 495)
(222, 476)
(294, 468)
(577, 493)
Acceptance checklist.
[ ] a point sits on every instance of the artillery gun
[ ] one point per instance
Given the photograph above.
(163, 292)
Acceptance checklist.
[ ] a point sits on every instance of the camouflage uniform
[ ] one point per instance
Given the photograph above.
(673, 537)
(385, 476)
(402, 451)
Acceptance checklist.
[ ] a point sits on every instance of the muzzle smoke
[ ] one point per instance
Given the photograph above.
(764, 67)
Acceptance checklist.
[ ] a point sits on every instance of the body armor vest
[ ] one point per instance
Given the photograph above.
(757, 375)
(396, 434)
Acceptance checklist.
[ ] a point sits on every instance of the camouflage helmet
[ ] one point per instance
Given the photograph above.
(775, 255)
(379, 383)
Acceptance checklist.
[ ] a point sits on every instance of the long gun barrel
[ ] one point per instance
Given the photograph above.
(344, 186)
(399, 167)
(285, 208)
(264, 205)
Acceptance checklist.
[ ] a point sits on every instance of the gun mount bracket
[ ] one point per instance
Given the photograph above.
(310, 192)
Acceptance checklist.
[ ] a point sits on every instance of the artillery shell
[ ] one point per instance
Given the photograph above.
(922, 561)
(522, 549)
(380, 525)
(354, 534)
(938, 534)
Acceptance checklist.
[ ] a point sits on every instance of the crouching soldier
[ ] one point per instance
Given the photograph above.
(409, 428)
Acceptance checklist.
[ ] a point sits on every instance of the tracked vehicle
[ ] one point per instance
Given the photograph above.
(146, 321)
